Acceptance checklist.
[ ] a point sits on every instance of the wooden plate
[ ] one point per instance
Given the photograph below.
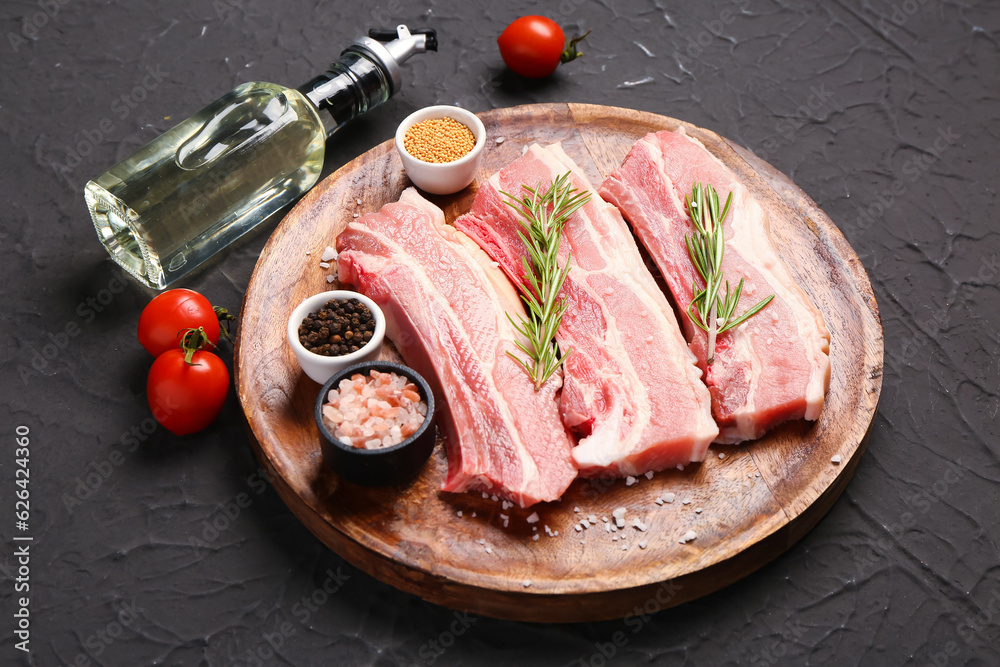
(755, 503)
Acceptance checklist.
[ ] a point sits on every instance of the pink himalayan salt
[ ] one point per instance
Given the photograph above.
(379, 411)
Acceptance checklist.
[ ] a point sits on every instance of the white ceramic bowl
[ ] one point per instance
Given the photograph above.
(447, 177)
(317, 366)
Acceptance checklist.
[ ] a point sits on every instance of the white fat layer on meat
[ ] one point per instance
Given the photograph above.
(606, 446)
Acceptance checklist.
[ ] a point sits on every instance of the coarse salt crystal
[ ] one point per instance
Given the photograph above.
(324, 265)
(532, 518)
(578, 528)
(499, 140)
(697, 510)
(485, 495)
(494, 498)
(637, 523)
(619, 515)
(835, 459)
(668, 498)
(358, 202)
(329, 279)
(489, 550)
(459, 513)
(356, 215)
(686, 501)
(624, 547)
(576, 509)
(721, 455)
(506, 505)
(649, 474)
(659, 501)
(680, 466)
(688, 536)
(642, 545)
(534, 538)
(592, 519)
(630, 480)
(328, 254)
(527, 582)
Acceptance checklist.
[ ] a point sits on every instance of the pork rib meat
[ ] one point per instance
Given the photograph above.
(631, 388)
(773, 368)
(445, 309)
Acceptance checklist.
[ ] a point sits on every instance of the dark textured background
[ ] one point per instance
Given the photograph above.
(846, 97)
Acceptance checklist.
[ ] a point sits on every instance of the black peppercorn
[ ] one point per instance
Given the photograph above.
(338, 328)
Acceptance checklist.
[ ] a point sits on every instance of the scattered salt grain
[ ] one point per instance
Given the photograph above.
(756, 474)
(485, 495)
(481, 541)
(534, 538)
(721, 455)
(688, 536)
(604, 519)
(498, 140)
(614, 538)
(494, 498)
(686, 501)
(592, 519)
(697, 510)
(459, 513)
(495, 265)
(324, 265)
(835, 459)
(649, 474)
(680, 466)
(607, 527)
(473, 515)
(624, 547)
(659, 501)
(668, 498)
(328, 254)
(489, 550)
(356, 215)
(527, 582)
(630, 480)
(358, 202)
(532, 518)
(637, 523)
(619, 515)
(505, 519)
(576, 509)
(505, 505)
(642, 545)
(329, 279)
(577, 528)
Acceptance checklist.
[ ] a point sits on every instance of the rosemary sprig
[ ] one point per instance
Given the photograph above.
(542, 216)
(709, 310)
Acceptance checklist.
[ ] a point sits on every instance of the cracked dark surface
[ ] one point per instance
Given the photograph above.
(847, 98)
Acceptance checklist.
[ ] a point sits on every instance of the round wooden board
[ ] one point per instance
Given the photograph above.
(755, 503)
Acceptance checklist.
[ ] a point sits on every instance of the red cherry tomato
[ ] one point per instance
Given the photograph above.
(532, 46)
(166, 317)
(185, 398)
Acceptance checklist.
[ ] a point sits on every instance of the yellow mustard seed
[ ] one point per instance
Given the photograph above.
(439, 140)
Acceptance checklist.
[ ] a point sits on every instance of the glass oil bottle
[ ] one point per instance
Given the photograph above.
(203, 184)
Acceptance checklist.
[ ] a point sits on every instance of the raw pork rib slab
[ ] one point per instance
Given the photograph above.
(773, 368)
(445, 311)
(631, 387)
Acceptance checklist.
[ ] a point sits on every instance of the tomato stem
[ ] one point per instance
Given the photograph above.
(571, 52)
(193, 340)
(224, 319)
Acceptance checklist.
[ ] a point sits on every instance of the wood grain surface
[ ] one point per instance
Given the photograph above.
(755, 503)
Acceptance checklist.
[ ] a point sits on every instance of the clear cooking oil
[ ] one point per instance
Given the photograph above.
(189, 193)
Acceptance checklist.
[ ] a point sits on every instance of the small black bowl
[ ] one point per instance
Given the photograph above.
(387, 466)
